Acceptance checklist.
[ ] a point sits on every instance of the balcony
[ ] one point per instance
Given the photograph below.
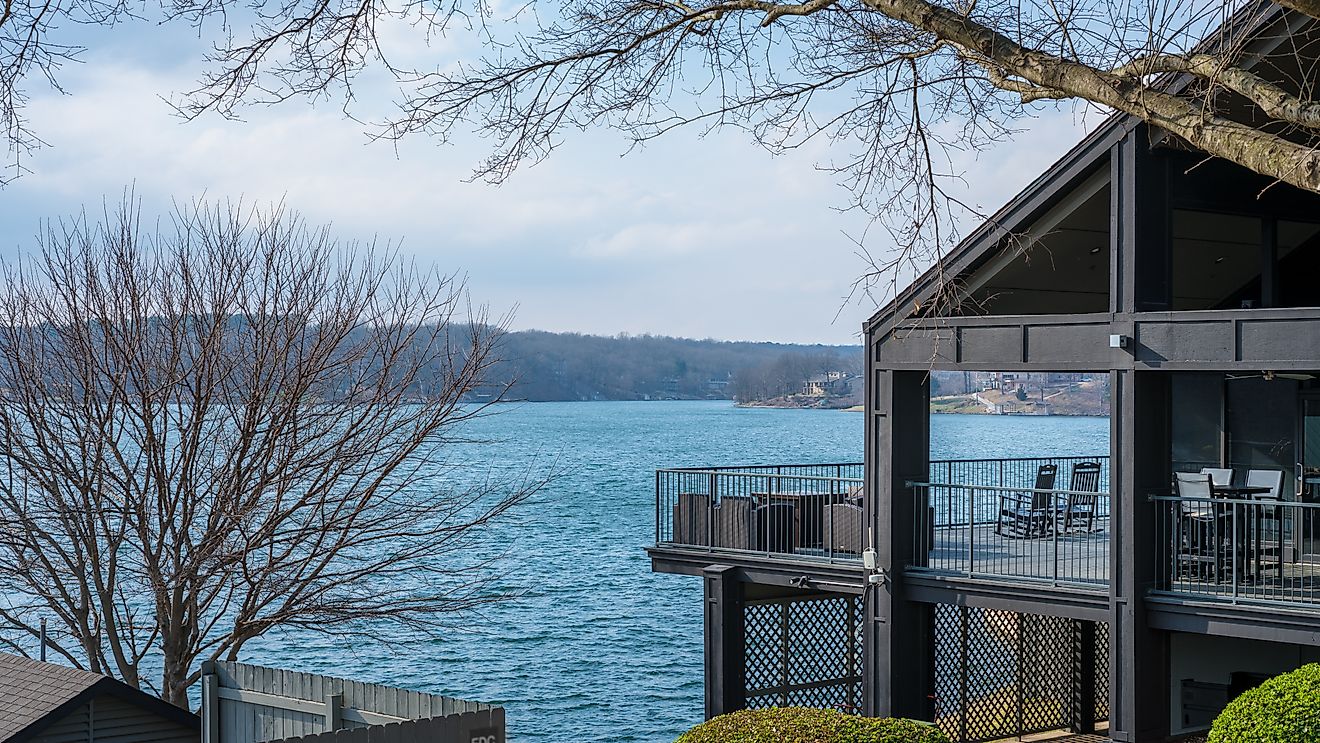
(1041, 520)
(807, 512)
(814, 513)
(1239, 551)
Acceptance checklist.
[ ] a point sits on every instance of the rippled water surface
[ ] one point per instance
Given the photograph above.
(597, 648)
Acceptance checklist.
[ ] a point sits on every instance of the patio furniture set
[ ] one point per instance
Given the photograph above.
(1220, 526)
(1044, 511)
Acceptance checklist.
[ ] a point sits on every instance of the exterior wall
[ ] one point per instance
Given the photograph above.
(111, 720)
(1211, 659)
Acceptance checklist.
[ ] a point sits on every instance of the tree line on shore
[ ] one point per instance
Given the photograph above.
(545, 366)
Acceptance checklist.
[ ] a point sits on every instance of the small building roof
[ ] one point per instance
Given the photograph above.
(34, 695)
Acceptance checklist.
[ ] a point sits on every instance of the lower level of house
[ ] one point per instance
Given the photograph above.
(1010, 626)
(989, 674)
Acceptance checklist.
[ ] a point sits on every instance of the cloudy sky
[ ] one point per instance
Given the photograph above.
(701, 237)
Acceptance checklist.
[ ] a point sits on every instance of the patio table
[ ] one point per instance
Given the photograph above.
(1247, 551)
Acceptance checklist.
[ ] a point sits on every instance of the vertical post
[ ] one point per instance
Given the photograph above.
(971, 530)
(334, 712)
(898, 639)
(725, 643)
(210, 704)
(43, 639)
(1141, 280)
(1139, 663)
(710, 513)
(1082, 714)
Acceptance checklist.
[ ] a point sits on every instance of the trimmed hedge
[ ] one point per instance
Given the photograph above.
(1285, 709)
(804, 725)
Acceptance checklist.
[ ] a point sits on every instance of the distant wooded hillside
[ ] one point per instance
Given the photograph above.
(571, 366)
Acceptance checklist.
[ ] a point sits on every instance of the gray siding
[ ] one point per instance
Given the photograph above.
(107, 719)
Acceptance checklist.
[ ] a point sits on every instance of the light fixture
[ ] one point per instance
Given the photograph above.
(1095, 250)
(1219, 260)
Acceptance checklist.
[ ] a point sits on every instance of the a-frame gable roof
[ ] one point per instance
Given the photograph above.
(1079, 163)
(35, 695)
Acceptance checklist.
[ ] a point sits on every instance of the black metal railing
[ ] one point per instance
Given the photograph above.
(1010, 473)
(1053, 535)
(811, 511)
(814, 511)
(1240, 550)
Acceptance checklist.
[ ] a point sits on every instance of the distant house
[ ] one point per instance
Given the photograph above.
(44, 702)
(828, 384)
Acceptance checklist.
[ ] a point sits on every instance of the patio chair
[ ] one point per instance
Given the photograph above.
(735, 522)
(1081, 504)
(855, 495)
(843, 528)
(776, 528)
(1029, 515)
(1220, 478)
(692, 519)
(1272, 510)
(1198, 527)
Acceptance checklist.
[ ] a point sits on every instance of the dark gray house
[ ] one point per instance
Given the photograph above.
(55, 704)
(1126, 592)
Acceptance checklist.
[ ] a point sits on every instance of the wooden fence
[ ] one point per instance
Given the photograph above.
(243, 703)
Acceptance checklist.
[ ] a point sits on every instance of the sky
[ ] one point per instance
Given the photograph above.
(693, 236)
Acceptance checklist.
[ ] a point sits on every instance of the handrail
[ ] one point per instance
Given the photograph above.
(728, 467)
(777, 475)
(996, 488)
(1227, 500)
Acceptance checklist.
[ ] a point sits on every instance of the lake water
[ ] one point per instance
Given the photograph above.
(597, 648)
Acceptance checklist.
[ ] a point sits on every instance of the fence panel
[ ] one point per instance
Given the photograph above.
(1000, 674)
(804, 651)
(243, 703)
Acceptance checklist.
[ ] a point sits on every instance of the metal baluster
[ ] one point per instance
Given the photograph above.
(1054, 537)
(1234, 553)
(971, 530)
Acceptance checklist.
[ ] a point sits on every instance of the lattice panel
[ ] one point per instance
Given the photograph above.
(1000, 674)
(804, 651)
(1102, 670)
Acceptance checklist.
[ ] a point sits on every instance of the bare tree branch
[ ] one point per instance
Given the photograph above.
(230, 427)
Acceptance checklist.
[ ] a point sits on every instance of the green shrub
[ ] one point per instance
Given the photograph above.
(1285, 709)
(803, 725)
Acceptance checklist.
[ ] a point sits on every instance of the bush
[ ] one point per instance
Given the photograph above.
(803, 725)
(1285, 709)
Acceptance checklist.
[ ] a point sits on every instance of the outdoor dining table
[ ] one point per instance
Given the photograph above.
(1244, 553)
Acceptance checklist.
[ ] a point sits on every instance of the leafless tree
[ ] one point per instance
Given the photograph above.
(898, 87)
(227, 425)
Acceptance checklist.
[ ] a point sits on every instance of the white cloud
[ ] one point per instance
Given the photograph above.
(693, 236)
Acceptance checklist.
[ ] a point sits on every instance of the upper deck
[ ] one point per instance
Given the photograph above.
(985, 523)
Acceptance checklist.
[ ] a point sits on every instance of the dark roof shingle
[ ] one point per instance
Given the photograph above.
(30, 690)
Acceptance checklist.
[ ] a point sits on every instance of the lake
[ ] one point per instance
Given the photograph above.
(596, 647)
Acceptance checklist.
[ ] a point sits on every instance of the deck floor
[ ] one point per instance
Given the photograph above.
(1082, 559)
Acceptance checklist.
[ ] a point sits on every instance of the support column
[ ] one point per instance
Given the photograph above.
(1082, 714)
(1139, 466)
(899, 642)
(725, 644)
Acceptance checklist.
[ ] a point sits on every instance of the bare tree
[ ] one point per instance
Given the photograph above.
(227, 426)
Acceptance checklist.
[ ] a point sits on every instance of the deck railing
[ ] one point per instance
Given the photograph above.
(1051, 535)
(808, 511)
(1244, 551)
